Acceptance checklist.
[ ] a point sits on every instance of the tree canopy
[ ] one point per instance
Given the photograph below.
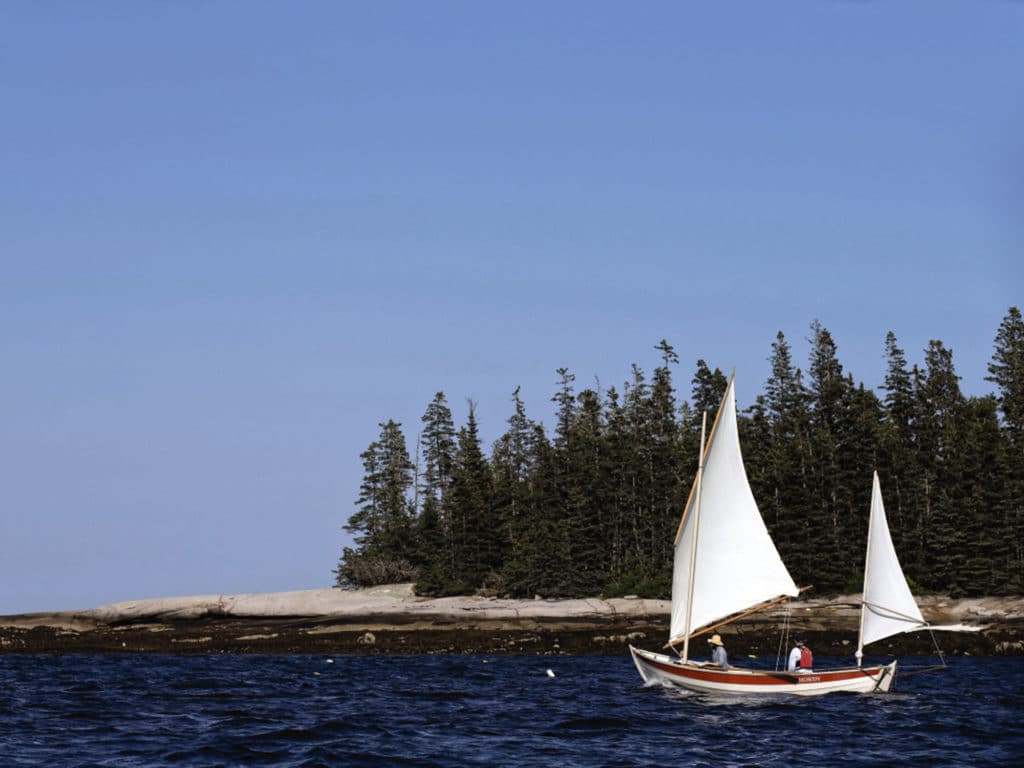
(593, 508)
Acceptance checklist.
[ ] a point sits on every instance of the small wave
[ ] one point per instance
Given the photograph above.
(594, 724)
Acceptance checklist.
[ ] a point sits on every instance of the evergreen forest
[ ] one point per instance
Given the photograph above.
(591, 507)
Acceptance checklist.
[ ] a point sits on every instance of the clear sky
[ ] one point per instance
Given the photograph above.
(235, 236)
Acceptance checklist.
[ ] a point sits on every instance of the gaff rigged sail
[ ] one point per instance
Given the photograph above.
(735, 564)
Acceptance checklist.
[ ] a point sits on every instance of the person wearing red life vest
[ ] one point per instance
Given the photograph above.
(800, 658)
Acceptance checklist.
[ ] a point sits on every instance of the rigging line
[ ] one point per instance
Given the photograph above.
(914, 671)
(891, 614)
(938, 651)
(783, 638)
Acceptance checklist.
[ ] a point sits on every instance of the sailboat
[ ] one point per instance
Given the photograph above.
(726, 567)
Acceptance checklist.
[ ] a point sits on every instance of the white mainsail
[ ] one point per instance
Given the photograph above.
(734, 562)
(889, 608)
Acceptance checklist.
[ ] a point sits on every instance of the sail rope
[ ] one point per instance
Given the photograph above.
(938, 651)
(783, 637)
(904, 672)
(893, 614)
(941, 666)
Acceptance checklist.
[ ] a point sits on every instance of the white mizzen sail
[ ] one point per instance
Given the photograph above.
(737, 566)
(889, 608)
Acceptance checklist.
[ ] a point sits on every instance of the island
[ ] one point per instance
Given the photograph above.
(391, 619)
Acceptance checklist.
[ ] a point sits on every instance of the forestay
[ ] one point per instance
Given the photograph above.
(737, 566)
(889, 608)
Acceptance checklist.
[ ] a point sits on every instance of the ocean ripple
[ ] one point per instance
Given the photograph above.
(223, 710)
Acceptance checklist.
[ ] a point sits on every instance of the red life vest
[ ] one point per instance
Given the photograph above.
(806, 658)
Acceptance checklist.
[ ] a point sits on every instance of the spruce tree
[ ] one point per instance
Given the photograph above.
(437, 443)
(896, 467)
(367, 521)
(986, 567)
(708, 387)
(512, 463)
(469, 507)
(667, 493)
(385, 547)
(537, 570)
(621, 525)
(587, 501)
(828, 398)
(780, 479)
(857, 457)
(939, 433)
(1006, 371)
(641, 564)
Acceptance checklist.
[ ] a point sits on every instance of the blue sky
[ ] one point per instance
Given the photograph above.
(235, 236)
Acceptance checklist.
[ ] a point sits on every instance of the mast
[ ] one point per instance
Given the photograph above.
(693, 543)
(867, 566)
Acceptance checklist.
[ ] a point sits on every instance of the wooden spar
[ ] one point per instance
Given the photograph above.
(703, 456)
(731, 619)
(693, 542)
(867, 565)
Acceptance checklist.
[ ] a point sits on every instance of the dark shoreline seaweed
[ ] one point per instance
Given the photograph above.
(287, 636)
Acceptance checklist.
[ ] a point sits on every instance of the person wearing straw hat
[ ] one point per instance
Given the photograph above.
(718, 654)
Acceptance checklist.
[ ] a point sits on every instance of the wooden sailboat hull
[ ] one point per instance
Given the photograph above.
(711, 679)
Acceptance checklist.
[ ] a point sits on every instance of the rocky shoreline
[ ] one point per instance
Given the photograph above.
(391, 620)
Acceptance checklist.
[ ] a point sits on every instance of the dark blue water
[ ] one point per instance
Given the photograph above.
(147, 710)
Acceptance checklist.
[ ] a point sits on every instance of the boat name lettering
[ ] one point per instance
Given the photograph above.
(809, 679)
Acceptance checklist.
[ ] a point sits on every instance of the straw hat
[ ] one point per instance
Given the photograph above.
(715, 640)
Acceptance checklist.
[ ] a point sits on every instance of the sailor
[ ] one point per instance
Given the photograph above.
(718, 654)
(800, 658)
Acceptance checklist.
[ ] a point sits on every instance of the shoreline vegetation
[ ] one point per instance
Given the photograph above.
(391, 619)
(592, 504)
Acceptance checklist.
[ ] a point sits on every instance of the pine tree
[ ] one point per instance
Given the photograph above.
(857, 457)
(667, 493)
(383, 522)
(537, 568)
(587, 501)
(1006, 371)
(939, 433)
(577, 553)
(368, 519)
(896, 466)
(438, 445)
(987, 549)
(513, 468)
(469, 507)
(781, 478)
(708, 389)
(638, 430)
(618, 447)
(437, 442)
(828, 398)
